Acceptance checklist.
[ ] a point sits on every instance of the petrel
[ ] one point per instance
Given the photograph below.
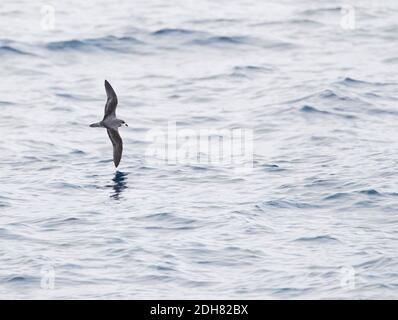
(111, 123)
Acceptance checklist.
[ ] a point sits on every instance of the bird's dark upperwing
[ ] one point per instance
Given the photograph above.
(111, 102)
(117, 145)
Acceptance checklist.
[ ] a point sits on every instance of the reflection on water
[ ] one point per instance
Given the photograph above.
(120, 183)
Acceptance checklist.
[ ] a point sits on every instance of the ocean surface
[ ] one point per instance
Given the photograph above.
(316, 217)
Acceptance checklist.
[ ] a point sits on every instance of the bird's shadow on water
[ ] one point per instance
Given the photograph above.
(119, 184)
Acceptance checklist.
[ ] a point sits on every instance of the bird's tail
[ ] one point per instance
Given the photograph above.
(94, 125)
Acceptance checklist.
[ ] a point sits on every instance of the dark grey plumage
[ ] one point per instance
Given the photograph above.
(111, 123)
(117, 145)
(111, 102)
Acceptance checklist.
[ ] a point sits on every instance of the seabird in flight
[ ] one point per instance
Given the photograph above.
(111, 123)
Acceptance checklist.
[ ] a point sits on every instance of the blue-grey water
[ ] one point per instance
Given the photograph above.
(315, 81)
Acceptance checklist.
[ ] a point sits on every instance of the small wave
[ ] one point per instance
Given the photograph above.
(378, 111)
(309, 109)
(77, 151)
(169, 221)
(3, 205)
(68, 44)
(205, 119)
(146, 168)
(5, 103)
(336, 196)
(297, 21)
(199, 168)
(272, 168)
(252, 68)
(62, 223)
(351, 82)
(55, 222)
(391, 60)
(249, 70)
(330, 94)
(73, 96)
(216, 77)
(46, 168)
(105, 43)
(326, 94)
(290, 204)
(17, 279)
(70, 219)
(173, 32)
(322, 238)
(370, 192)
(318, 11)
(160, 216)
(365, 204)
(238, 72)
(215, 21)
(312, 110)
(380, 262)
(305, 22)
(231, 41)
(66, 185)
(222, 40)
(8, 50)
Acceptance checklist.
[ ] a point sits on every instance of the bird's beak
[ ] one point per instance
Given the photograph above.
(126, 124)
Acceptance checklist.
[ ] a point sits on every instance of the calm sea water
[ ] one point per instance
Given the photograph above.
(316, 217)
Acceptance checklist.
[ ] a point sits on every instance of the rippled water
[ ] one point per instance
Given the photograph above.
(315, 218)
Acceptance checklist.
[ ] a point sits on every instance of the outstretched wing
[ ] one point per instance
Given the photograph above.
(111, 102)
(117, 145)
